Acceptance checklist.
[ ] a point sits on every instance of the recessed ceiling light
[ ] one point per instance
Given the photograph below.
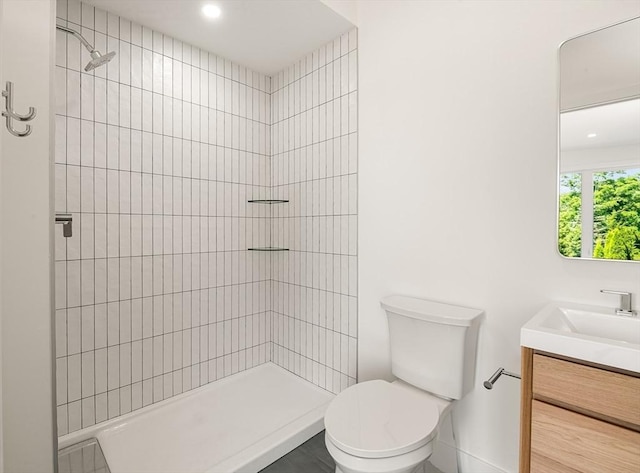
(211, 11)
(591, 135)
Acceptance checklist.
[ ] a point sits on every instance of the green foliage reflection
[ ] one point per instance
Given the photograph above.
(616, 215)
(569, 232)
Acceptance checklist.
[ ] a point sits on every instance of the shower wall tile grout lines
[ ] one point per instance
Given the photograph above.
(156, 156)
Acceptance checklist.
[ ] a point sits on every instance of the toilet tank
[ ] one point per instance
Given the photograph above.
(433, 344)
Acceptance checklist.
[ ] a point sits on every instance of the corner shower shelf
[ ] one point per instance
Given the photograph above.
(267, 201)
(268, 248)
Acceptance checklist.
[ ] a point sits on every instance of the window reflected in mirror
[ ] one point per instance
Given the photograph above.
(613, 200)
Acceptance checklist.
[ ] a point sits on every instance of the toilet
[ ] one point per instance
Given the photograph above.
(390, 427)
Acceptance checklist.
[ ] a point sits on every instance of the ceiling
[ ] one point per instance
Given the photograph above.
(616, 124)
(264, 35)
(601, 66)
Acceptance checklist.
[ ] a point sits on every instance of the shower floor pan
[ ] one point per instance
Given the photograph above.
(241, 423)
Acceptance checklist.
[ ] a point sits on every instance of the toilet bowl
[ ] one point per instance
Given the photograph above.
(382, 427)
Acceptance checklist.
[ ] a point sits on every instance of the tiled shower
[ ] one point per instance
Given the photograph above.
(314, 164)
(157, 154)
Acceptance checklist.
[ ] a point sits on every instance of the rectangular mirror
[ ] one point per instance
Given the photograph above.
(599, 144)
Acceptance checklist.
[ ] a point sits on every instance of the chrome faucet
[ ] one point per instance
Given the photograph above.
(625, 302)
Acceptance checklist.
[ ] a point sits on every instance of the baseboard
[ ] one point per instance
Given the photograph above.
(445, 459)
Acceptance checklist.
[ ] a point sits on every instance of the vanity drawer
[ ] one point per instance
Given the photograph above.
(611, 396)
(563, 441)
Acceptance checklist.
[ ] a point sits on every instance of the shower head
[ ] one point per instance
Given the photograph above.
(97, 59)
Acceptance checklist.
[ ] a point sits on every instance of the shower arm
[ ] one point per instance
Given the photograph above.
(86, 44)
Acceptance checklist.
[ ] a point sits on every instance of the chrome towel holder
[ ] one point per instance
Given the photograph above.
(11, 114)
(495, 376)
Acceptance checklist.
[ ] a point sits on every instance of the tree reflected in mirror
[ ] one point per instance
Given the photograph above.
(614, 232)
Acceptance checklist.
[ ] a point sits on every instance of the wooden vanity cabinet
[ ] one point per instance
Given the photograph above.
(577, 417)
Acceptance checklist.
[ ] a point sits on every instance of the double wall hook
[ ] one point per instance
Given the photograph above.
(10, 114)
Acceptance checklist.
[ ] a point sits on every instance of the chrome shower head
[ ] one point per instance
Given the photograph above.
(97, 59)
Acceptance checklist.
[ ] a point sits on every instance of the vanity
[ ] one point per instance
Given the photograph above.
(580, 399)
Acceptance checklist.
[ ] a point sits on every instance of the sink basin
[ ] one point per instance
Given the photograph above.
(587, 333)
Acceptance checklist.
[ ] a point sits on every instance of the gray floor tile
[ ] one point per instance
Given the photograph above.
(310, 457)
(313, 457)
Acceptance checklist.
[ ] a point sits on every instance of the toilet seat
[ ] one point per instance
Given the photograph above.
(378, 419)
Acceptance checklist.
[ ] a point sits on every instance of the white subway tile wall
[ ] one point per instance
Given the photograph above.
(157, 154)
(314, 165)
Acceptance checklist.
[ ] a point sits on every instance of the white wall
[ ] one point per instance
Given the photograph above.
(458, 116)
(28, 439)
(2, 43)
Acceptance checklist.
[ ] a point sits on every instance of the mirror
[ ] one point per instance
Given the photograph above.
(599, 144)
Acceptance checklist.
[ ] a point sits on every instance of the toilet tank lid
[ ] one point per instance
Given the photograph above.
(432, 311)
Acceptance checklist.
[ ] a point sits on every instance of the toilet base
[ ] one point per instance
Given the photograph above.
(409, 462)
(419, 469)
